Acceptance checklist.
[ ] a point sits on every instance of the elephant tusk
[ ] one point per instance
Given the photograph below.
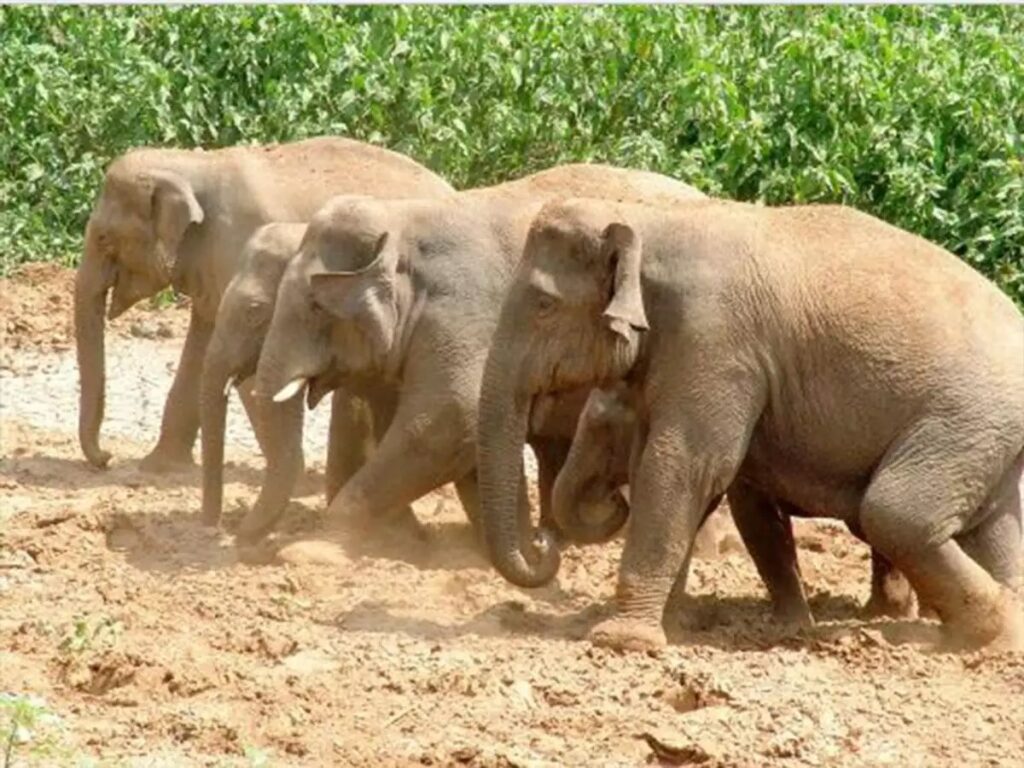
(290, 390)
(228, 385)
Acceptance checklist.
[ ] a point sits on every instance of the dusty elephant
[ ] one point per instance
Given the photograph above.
(181, 217)
(400, 298)
(241, 325)
(588, 506)
(821, 356)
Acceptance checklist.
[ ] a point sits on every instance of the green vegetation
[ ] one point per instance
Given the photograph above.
(29, 728)
(914, 114)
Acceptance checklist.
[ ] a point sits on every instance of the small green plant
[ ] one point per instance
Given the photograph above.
(28, 725)
(256, 757)
(86, 634)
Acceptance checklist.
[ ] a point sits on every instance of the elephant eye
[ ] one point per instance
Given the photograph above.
(544, 302)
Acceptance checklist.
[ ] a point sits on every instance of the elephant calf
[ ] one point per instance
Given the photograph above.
(813, 353)
(588, 507)
(241, 325)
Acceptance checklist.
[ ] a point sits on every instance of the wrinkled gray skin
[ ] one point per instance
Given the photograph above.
(401, 298)
(588, 506)
(167, 217)
(817, 354)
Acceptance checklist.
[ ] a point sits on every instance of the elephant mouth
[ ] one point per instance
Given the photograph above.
(319, 386)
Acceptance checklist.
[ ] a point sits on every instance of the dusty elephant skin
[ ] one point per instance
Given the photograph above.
(181, 217)
(588, 506)
(401, 298)
(819, 355)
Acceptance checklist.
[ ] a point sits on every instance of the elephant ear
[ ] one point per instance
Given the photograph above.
(173, 207)
(345, 295)
(621, 252)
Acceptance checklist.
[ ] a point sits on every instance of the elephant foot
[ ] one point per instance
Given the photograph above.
(793, 615)
(997, 626)
(254, 528)
(624, 634)
(162, 461)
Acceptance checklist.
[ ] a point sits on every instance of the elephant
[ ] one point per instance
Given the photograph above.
(172, 217)
(589, 507)
(239, 332)
(398, 299)
(817, 354)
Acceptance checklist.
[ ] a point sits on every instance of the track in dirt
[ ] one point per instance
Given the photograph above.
(157, 645)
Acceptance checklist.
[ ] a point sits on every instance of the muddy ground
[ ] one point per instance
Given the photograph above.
(149, 642)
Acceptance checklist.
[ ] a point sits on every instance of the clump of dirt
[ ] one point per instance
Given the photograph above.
(157, 643)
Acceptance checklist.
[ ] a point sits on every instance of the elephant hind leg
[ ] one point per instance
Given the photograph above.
(997, 544)
(911, 510)
(767, 533)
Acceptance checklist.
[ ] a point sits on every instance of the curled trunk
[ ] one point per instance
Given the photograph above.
(92, 282)
(504, 416)
(588, 513)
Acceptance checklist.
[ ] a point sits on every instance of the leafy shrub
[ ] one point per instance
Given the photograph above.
(913, 114)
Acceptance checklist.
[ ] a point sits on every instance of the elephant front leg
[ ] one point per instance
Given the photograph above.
(180, 423)
(349, 440)
(672, 490)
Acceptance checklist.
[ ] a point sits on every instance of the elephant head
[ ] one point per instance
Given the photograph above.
(132, 245)
(587, 502)
(243, 318)
(339, 305)
(573, 316)
(337, 314)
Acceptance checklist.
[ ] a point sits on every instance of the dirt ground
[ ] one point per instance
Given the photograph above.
(150, 642)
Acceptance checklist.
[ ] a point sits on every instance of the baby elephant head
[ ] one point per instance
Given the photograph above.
(337, 308)
(587, 502)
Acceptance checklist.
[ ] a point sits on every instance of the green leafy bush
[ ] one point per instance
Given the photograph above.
(914, 114)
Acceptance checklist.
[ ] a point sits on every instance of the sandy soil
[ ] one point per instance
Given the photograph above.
(155, 644)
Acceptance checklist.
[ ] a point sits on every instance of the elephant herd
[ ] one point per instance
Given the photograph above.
(802, 360)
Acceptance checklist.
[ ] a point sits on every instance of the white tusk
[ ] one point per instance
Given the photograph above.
(228, 385)
(290, 390)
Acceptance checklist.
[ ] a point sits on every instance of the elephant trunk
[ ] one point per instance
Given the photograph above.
(504, 416)
(213, 398)
(587, 512)
(282, 427)
(92, 282)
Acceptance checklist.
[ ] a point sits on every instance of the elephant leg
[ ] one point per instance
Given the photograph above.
(350, 439)
(685, 459)
(421, 450)
(767, 532)
(996, 544)
(891, 593)
(911, 511)
(180, 423)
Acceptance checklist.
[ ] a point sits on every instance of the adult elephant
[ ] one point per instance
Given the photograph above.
(399, 299)
(815, 353)
(181, 217)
